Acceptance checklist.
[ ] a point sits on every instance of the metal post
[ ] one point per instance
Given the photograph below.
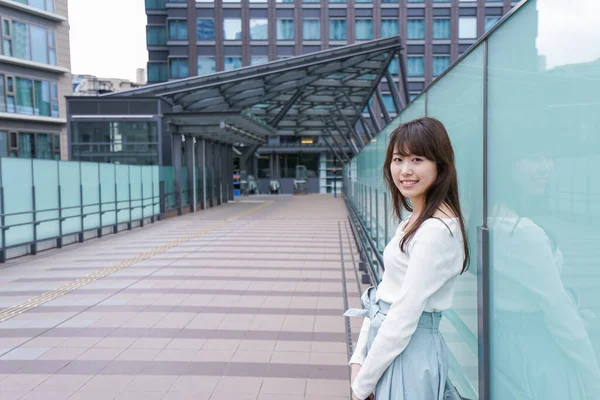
(81, 210)
(334, 181)
(142, 199)
(199, 146)
(162, 199)
(129, 189)
(204, 174)
(3, 221)
(176, 140)
(59, 240)
(153, 202)
(116, 225)
(191, 172)
(35, 223)
(99, 231)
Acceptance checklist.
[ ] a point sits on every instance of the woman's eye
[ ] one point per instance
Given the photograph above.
(417, 159)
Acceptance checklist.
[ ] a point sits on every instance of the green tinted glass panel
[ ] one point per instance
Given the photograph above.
(91, 195)
(156, 189)
(69, 174)
(108, 194)
(135, 179)
(123, 198)
(463, 88)
(167, 177)
(416, 109)
(45, 179)
(17, 183)
(147, 190)
(543, 202)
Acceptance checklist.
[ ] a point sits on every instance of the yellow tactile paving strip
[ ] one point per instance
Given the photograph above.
(94, 276)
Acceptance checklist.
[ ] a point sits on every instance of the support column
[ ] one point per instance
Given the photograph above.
(201, 178)
(218, 173)
(191, 171)
(176, 157)
(210, 173)
(271, 166)
(230, 151)
(277, 167)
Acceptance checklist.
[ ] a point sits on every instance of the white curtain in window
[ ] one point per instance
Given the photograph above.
(311, 29)
(259, 29)
(364, 29)
(440, 63)
(21, 42)
(43, 147)
(441, 28)
(389, 27)
(285, 29)
(415, 66)
(337, 29)
(416, 29)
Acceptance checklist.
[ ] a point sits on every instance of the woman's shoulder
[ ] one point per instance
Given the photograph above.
(436, 228)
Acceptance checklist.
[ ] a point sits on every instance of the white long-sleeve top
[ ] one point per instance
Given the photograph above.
(420, 280)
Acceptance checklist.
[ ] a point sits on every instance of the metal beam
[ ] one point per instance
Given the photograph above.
(373, 118)
(348, 142)
(275, 121)
(366, 127)
(337, 144)
(395, 93)
(386, 115)
(349, 126)
(403, 77)
(335, 154)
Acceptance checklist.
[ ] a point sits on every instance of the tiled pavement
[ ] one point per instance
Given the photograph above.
(242, 301)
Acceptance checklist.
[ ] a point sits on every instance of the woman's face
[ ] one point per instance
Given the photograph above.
(412, 174)
(533, 172)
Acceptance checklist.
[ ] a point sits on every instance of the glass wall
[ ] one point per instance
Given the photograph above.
(540, 209)
(28, 42)
(92, 196)
(123, 142)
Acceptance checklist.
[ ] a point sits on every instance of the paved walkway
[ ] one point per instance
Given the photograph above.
(242, 301)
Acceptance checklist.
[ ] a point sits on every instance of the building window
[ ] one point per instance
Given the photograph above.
(284, 1)
(440, 63)
(28, 97)
(337, 1)
(388, 102)
(442, 1)
(337, 29)
(178, 29)
(156, 36)
(46, 5)
(389, 1)
(416, 29)
(179, 67)
(389, 27)
(206, 65)
(285, 29)
(490, 22)
(205, 29)
(311, 29)
(232, 29)
(259, 29)
(363, 29)
(28, 42)
(157, 72)
(441, 28)
(416, 1)
(363, 1)
(156, 4)
(257, 60)
(415, 66)
(467, 27)
(394, 67)
(233, 63)
(258, 1)
(43, 146)
(311, 1)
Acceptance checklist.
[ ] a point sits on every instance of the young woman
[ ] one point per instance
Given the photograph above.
(400, 353)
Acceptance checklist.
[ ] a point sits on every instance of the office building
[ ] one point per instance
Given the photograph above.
(34, 78)
(186, 38)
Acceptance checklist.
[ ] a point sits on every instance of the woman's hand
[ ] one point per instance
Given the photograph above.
(355, 370)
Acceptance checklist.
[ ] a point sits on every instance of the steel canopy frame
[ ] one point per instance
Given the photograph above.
(297, 96)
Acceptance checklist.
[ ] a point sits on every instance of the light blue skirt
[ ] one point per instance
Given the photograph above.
(420, 371)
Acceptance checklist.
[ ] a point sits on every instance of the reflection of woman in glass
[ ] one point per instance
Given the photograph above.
(540, 348)
(400, 353)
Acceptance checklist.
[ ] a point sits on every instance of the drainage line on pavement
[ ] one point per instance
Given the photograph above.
(348, 328)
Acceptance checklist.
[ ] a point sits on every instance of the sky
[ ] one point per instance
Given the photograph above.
(108, 37)
(568, 31)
